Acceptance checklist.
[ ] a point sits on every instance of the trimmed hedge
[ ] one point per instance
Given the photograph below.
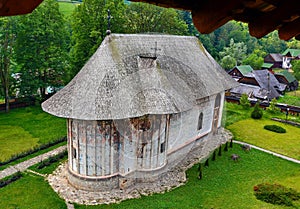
(276, 194)
(10, 179)
(275, 128)
(52, 159)
(31, 151)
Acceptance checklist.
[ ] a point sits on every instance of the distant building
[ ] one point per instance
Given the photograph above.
(257, 84)
(288, 56)
(273, 60)
(285, 77)
(240, 71)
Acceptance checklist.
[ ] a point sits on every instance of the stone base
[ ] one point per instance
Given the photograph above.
(167, 178)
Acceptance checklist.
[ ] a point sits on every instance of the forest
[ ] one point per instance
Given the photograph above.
(42, 51)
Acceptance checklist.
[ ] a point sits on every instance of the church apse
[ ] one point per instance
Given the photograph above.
(108, 148)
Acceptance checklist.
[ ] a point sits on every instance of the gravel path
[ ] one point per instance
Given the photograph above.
(270, 152)
(26, 164)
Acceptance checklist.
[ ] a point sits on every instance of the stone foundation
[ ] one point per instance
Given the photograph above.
(135, 184)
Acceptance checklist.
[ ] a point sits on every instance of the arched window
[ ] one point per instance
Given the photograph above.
(200, 121)
(218, 101)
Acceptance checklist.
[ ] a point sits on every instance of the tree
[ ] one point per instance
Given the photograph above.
(89, 26)
(296, 68)
(272, 44)
(7, 40)
(255, 59)
(41, 49)
(236, 51)
(144, 18)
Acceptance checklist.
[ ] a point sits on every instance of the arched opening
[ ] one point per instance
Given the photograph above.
(200, 121)
(216, 113)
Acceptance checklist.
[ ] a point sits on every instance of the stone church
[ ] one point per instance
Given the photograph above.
(140, 104)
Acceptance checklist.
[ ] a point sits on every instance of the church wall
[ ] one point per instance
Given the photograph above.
(128, 151)
(103, 148)
(183, 126)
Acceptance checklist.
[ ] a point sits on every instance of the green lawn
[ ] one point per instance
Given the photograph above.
(253, 132)
(67, 8)
(26, 128)
(14, 139)
(225, 184)
(292, 98)
(30, 192)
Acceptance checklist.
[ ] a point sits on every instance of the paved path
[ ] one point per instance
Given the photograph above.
(270, 152)
(26, 164)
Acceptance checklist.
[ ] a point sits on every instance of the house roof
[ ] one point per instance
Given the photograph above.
(133, 75)
(275, 56)
(250, 90)
(262, 16)
(261, 76)
(244, 69)
(292, 52)
(267, 65)
(289, 77)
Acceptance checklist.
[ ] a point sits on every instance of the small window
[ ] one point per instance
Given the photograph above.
(74, 153)
(200, 121)
(162, 147)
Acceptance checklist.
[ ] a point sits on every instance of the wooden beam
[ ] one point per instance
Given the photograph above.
(290, 30)
(17, 7)
(267, 22)
(210, 15)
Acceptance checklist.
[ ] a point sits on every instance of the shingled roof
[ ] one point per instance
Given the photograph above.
(291, 52)
(133, 75)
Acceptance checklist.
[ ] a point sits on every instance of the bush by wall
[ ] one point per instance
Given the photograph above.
(275, 128)
(276, 194)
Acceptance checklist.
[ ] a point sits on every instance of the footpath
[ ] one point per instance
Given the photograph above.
(268, 151)
(26, 164)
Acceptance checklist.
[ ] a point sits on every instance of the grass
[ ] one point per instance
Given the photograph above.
(292, 98)
(25, 128)
(30, 192)
(225, 184)
(67, 8)
(253, 132)
(32, 155)
(14, 139)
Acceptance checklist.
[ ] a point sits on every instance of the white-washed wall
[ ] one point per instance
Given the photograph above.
(184, 126)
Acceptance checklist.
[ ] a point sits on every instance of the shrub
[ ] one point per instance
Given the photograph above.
(275, 128)
(257, 113)
(244, 102)
(276, 194)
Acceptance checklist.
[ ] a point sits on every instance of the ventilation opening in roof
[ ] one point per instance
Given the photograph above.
(146, 62)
